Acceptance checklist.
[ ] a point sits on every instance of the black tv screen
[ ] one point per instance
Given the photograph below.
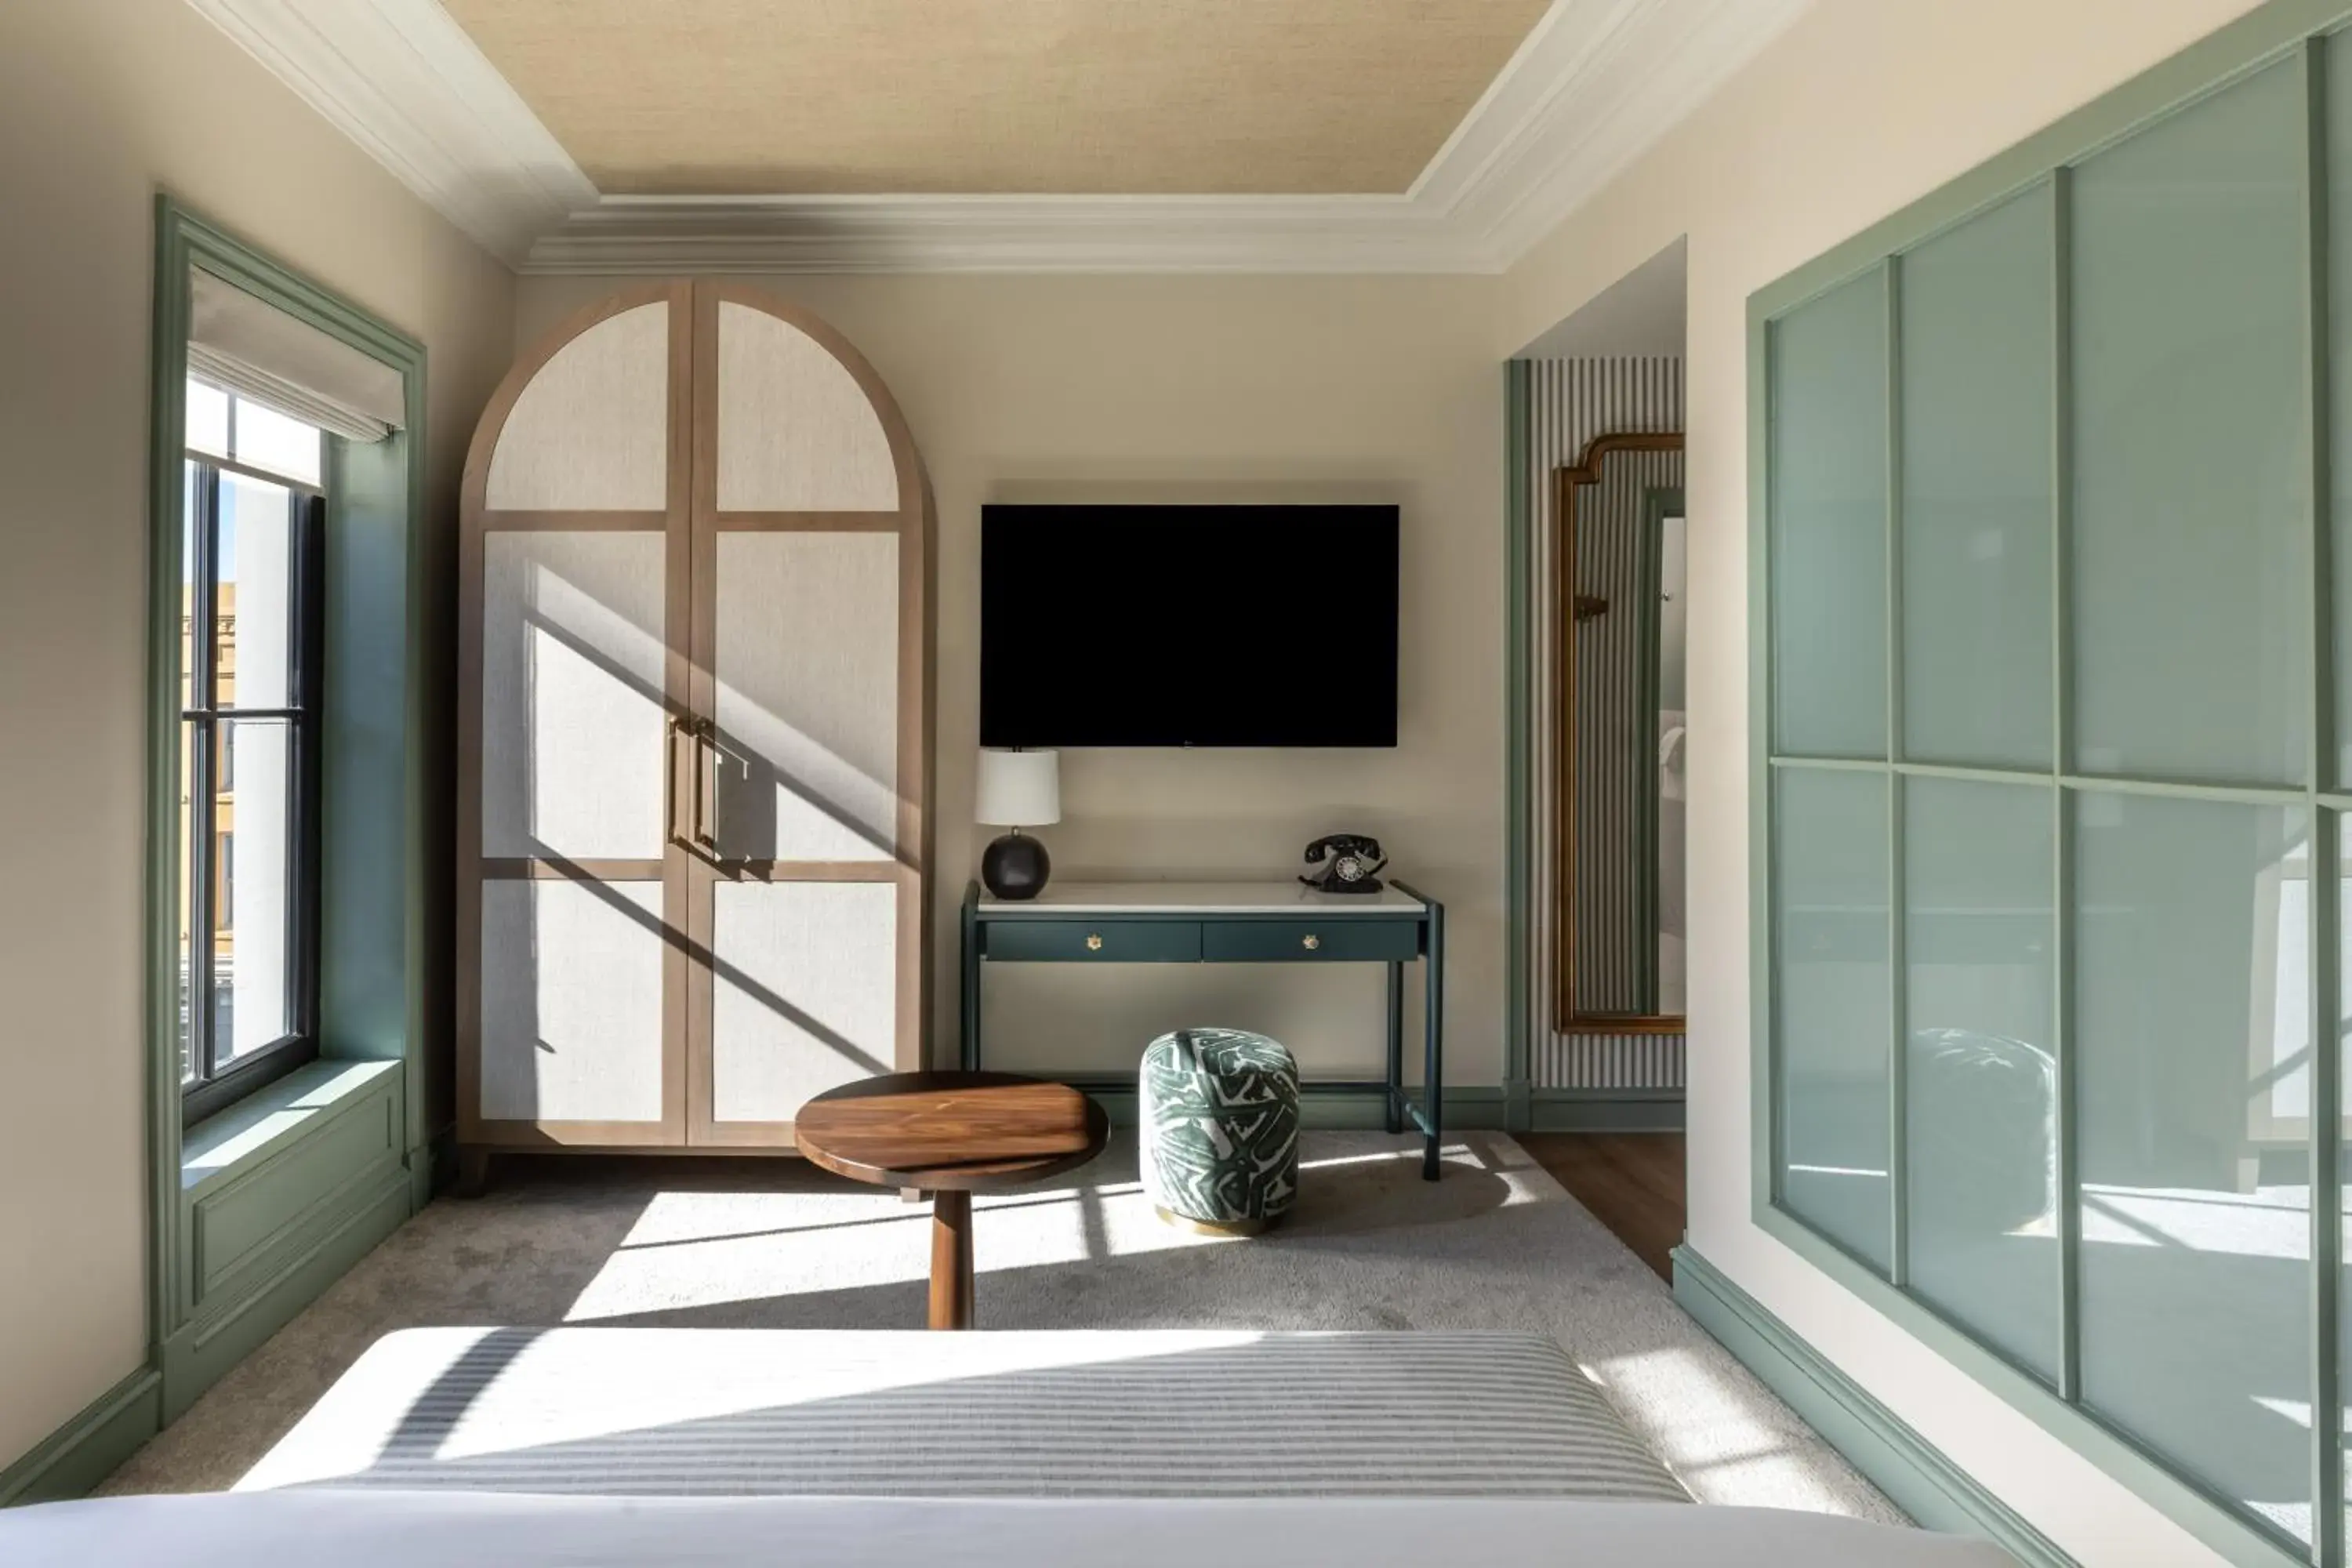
(1188, 626)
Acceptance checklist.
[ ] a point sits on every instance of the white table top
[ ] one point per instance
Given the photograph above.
(1201, 899)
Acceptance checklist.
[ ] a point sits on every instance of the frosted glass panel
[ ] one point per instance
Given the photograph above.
(2191, 580)
(1833, 1003)
(1979, 367)
(1981, 1091)
(572, 725)
(1829, 522)
(808, 696)
(796, 433)
(806, 994)
(571, 1001)
(2192, 931)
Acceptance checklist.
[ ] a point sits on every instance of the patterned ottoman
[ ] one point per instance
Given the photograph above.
(1220, 1114)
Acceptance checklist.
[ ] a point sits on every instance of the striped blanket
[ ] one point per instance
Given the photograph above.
(752, 1412)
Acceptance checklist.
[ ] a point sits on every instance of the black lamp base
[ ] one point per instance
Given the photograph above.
(1015, 867)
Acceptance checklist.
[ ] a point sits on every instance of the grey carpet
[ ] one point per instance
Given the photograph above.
(1497, 1245)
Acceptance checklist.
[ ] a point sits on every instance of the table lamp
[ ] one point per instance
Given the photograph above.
(1017, 790)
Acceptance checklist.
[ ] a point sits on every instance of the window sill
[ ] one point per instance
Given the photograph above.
(272, 1119)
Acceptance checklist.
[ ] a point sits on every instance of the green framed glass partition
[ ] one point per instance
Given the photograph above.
(2051, 478)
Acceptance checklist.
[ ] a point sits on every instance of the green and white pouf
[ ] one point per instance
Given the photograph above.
(1220, 1114)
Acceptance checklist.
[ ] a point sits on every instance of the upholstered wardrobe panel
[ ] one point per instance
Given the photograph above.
(571, 695)
(590, 431)
(573, 968)
(808, 704)
(796, 433)
(805, 992)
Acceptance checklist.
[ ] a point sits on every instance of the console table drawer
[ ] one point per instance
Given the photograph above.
(1344, 939)
(1095, 941)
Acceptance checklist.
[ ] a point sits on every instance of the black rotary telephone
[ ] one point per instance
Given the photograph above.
(1354, 857)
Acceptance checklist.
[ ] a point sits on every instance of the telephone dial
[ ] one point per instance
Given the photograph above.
(1353, 858)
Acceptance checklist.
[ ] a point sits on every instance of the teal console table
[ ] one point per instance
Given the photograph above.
(1231, 922)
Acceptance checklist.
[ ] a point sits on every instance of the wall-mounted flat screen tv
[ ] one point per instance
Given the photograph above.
(1188, 626)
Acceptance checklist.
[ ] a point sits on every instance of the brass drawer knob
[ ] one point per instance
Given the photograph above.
(1313, 942)
(1093, 941)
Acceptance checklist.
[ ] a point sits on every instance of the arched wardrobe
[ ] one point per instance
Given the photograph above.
(694, 731)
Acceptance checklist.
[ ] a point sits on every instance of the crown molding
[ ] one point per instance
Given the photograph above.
(1002, 233)
(401, 79)
(1594, 84)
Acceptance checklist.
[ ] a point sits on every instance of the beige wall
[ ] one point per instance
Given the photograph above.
(101, 103)
(1865, 106)
(1158, 389)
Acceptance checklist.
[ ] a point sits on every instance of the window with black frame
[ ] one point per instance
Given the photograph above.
(252, 516)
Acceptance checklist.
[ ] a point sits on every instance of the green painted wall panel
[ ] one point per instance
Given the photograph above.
(196, 1355)
(230, 1226)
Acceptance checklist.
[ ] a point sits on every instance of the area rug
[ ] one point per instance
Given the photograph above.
(1495, 1245)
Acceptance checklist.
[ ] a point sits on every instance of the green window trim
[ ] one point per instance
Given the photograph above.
(378, 732)
(2041, 169)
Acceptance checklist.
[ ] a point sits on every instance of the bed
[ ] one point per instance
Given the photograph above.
(764, 1411)
(713, 1447)
(402, 1529)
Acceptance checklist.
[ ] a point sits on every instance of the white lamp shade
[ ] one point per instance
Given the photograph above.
(1020, 789)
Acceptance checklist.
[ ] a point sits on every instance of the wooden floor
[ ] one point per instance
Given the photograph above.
(1633, 1183)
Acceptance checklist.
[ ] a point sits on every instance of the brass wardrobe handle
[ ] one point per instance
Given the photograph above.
(670, 792)
(684, 796)
(1312, 942)
(705, 793)
(1093, 941)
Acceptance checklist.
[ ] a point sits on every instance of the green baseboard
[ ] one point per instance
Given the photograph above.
(87, 1449)
(1909, 1470)
(1605, 1110)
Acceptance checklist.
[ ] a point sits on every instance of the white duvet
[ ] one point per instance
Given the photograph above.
(463, 1529)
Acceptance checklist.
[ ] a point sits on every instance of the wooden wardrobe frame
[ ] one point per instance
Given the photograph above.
(690, 522)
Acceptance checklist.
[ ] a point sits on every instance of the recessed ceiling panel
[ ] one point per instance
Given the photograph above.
(807, 96)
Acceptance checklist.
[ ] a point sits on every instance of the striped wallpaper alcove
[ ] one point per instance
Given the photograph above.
(1569, 402)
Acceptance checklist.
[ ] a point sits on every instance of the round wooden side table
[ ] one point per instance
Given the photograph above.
(951, 1134)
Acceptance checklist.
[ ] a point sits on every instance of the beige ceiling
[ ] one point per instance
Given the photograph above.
(733, 97)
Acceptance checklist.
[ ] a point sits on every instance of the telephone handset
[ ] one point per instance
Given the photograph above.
(1354, 857)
